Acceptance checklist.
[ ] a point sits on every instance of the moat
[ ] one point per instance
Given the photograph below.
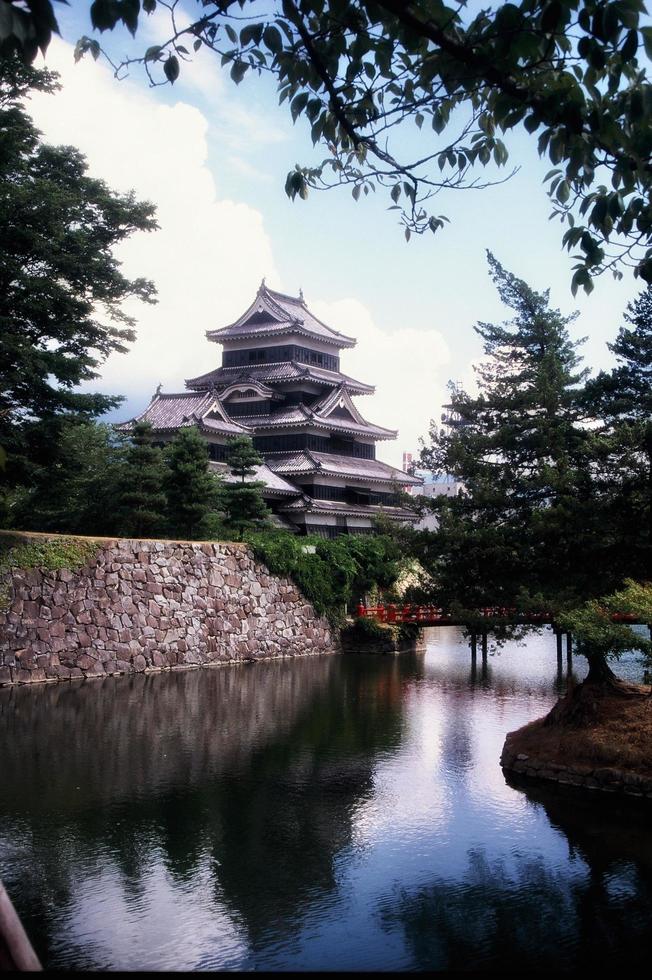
(335, 812)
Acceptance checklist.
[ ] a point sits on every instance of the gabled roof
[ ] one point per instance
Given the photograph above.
(169, 412)
(300, 416)
(277, 372)
(273, 313)
(338, 401)
(308, 462)
(216, 425)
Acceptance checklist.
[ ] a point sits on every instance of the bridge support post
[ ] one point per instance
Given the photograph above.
(569, 650)
(484, 649)
(560, 654)
(474, 648)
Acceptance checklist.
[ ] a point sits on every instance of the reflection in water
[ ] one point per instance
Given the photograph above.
(524, 915)
(330, 812)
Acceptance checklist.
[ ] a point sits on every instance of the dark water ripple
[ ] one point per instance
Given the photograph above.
(329, 813)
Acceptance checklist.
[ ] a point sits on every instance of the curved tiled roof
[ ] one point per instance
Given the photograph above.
(169, 412)
(275, 485)
(301, 417)
(272, 312)
(218, 425)
(371, 470)
(279, 372)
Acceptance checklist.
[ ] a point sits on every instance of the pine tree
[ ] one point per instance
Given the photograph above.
(519, 450)
(622, 402)
(190, 488)
(141, 502)
(242, 499)
(76, 493)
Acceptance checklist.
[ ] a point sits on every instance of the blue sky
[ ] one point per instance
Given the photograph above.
(215, 163)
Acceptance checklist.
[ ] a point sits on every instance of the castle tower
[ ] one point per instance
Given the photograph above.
(280, 382)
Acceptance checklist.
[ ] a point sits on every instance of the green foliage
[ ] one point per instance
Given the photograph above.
(240, 499)
(140, 502)
(191, 490)
(621, 401)
(75, 493)
(103, 483)
(634, 599)
(628, 393)
(291, 557)
(525, 517)
(330, 573)
(48, 554)
(595, 633)
(459, 78)
(24, 32)
(241, 457)
(61, 289)
(369, 629)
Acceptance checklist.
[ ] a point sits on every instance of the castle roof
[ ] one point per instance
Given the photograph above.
(278, 372)
(169, 412)
(307, 462)
(275, 485)
(300, 416)
(273, 314)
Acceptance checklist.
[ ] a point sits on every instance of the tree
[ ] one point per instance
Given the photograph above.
(602, 634)
(140, 501)
(622, 401)
(75, 494)
(190, 488)
(61, 287)
(241, 498)
(522, 526)
(413, 96)
(331, 573)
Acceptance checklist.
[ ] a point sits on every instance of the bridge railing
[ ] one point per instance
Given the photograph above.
(431, 615)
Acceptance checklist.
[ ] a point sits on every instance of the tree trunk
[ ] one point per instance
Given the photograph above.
(599, 671)
(581, 705)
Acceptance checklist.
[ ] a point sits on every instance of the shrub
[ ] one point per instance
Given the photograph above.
(330, 573)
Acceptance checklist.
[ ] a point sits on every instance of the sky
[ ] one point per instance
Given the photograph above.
(213, 158)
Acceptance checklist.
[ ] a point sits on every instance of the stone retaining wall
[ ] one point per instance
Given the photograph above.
(152, 605)
(605, 779)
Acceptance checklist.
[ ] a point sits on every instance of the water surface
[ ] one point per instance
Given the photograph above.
(325, 813)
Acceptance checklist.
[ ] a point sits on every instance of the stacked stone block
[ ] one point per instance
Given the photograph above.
(604, 778)
(152, 605)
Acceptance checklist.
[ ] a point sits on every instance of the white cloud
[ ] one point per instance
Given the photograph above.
(202, 78)
(248, 170)
(408, 366)
(209, 255)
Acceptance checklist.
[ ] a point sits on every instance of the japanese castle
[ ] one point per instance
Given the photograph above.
(280, 383)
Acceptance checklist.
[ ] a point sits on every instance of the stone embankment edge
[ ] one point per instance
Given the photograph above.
(605, 779)
(219, 605)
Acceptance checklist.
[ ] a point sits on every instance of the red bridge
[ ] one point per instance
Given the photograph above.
(435, 616)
